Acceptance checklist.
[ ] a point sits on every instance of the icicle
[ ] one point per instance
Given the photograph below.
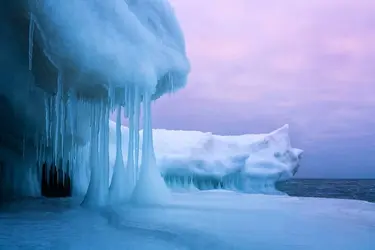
(31, 40)
(50, 110)
(130, 164)
(70, 116)
(150, 188)
(58, 117)
(47, 121)
(119, 187)
(99, 158)
(62, 124)
(118, 134)
(126, 103)
(93, 160)
(111, 94)
(106, 150)
(137, 102)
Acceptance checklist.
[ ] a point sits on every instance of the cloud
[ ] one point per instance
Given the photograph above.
(257, 65)
(285, 59)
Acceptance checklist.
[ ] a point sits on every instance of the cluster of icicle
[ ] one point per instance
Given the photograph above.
(234, 182)
(63, 112)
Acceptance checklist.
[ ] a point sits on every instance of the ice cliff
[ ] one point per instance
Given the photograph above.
(192, 159)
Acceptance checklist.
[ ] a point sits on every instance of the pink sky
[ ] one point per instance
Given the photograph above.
(257, 65)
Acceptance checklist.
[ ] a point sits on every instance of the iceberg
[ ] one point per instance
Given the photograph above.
(250, 163)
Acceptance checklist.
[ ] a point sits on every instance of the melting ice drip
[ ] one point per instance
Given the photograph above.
(144, 186)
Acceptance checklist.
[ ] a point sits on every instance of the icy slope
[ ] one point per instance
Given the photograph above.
(251, 163)
(201, 220)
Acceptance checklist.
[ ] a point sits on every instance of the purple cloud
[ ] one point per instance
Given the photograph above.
(278, 58)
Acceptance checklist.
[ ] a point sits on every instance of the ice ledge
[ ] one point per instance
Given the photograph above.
(136, 42)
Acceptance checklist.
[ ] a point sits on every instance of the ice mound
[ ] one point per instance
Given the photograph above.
(249, 163)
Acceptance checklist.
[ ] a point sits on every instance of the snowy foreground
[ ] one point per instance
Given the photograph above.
(195, 220)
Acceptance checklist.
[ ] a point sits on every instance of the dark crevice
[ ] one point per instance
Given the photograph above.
(55, 182)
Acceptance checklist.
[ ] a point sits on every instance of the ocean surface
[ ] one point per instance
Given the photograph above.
(330, 188)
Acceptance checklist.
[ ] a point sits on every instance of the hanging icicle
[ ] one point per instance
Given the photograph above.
(31, 39)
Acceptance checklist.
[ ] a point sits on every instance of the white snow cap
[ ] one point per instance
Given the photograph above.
(268, 156)
(113, 43)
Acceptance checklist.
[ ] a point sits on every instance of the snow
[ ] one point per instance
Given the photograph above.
(199, 220)
(126, 42)
(254, 161)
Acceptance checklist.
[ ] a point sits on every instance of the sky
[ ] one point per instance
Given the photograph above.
(257, 65)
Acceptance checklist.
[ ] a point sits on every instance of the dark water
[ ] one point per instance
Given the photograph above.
(341, 189)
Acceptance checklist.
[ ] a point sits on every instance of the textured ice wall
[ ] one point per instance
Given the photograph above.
(248, 163)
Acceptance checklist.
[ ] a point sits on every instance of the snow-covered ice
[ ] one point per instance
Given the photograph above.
(199, 220)
(248, 163)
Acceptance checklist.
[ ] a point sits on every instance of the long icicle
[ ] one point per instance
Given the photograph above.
(91, 193)
(150, 188)
(47, 119)
(58, 117)
(130, 163)
(117, 188)
(137, 102)
(105, 143)
(31, 40)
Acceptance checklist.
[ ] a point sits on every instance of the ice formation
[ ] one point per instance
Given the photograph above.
(65, 67)
(62, 77)
(246, 163)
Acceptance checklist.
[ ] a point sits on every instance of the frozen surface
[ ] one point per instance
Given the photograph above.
(202, 220)
(250, 163)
